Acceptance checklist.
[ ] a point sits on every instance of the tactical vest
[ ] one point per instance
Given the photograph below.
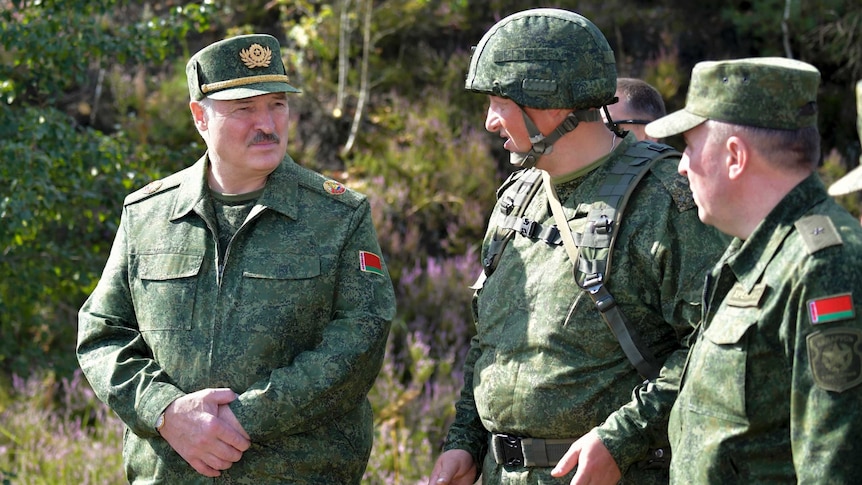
(594, 244)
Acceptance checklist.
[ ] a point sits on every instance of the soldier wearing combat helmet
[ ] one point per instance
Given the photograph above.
(773, 382)
(243, 313)
(593, 262)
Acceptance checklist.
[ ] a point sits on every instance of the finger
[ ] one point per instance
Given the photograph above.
(567, 462)
(221, 455)
(229, 417)
(216, 461)
(232, 437)
(204, 469)
(439, 476)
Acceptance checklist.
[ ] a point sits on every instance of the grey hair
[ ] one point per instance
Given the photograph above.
(793, 149)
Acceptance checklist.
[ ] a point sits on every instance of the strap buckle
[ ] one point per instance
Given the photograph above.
(593, 283)
(507, 450)
(528, 228)
(600, 226)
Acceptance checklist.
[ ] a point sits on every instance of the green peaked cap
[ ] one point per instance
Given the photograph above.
(238, 67)
(765, 92)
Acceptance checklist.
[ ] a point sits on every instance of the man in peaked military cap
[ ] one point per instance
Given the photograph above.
(771, 390)
(573, 370)
(852, 180)
(243, 312)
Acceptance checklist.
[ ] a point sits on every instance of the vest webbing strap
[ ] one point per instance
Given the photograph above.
(527, 187)
(639, 355)
(598, 240)
(591, 250)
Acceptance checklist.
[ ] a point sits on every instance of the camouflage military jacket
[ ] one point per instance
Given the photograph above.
(296, 323)
(772, 391)
(544, 364)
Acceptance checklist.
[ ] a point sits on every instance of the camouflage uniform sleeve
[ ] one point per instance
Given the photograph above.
(826, 381)
(467, 432)
(682, 250)
(113, 355)
(335, 376)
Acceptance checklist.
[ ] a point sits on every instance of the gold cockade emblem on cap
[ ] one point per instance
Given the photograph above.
(256, 56)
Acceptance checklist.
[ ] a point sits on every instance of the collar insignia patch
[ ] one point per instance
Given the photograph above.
(333, 187)
(738, 297)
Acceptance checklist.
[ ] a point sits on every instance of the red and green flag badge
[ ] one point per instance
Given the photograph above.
(831, 308)
(370, 262)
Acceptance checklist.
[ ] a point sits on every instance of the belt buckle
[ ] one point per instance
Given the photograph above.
(508, 451)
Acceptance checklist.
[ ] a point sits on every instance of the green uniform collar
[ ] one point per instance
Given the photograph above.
(619, 149)
(193, 190)
(766, 240)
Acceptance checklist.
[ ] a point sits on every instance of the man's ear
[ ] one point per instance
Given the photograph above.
(198, 115)
(738, 154)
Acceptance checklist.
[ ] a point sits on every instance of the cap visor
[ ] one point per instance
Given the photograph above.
(673, 124)
(849, 183)
(252, 90)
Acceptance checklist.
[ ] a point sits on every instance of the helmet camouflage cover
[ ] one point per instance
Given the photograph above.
(545, 58)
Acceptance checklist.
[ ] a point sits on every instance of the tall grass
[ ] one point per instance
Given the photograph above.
(56, 432)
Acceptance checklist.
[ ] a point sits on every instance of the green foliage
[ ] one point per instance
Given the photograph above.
(93, 105)
(56, 218)
(410, 417)
(438, 180)
(65, 180)
(44, 39)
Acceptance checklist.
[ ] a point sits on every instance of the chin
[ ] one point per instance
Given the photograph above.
(273, 157)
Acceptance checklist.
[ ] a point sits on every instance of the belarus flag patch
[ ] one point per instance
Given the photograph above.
(370, 263)
(831, 308)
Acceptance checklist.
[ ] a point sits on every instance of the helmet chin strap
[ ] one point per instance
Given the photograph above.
(542, 144)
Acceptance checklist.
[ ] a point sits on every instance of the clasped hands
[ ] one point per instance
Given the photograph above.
(202, 428)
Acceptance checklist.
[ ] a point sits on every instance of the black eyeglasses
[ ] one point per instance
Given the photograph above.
(632, 122)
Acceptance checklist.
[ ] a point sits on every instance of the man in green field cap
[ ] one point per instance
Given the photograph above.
(771, 391)
(852, 181)
(243, 313)
(574, 367)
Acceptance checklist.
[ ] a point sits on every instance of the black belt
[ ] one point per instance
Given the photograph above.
(513, 451)
(510, 450)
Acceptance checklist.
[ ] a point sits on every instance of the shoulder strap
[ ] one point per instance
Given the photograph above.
(593, 256)
(513, 208)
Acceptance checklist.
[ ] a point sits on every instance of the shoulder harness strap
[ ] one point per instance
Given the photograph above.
(513, 207)
(591, 251)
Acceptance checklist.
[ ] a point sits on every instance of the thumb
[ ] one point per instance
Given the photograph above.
(444, 472)
(221, 395)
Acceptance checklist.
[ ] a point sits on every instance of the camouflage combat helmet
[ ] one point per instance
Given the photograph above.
(545, 58)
